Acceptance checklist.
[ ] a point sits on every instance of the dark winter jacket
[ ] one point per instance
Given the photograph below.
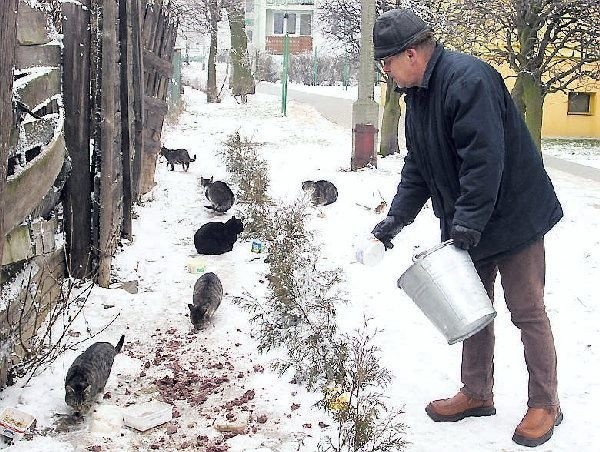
(469, 150)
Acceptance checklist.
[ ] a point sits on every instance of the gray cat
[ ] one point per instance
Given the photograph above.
(208, 293)
(219, 194)
(174, 156)
(87, 375)
(322, 192)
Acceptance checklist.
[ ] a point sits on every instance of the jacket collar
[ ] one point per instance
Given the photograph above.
(435, 56)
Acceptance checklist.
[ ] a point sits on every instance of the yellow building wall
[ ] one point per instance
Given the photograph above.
(558, 123)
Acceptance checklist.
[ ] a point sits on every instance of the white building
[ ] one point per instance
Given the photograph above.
(266, 20)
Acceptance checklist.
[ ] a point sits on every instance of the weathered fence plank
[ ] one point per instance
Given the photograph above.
(159, 37)
(137, 61)
(76, 97)
(109, 222)
(127, 150)
(8, 38)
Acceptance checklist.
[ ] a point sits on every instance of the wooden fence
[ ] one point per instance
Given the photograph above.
(102, 146)
(129, 101)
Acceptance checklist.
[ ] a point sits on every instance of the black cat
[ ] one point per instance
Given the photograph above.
(174, 156)
(219, 194)
(87, 375)
(217, 238)
(208, 293)
(322, 192)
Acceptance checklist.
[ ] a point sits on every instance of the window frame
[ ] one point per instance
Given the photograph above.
(590, 100)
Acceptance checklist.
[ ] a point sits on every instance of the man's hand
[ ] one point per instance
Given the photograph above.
(464, 238)
(386, 230)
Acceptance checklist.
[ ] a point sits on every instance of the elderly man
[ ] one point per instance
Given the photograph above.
(469, 150)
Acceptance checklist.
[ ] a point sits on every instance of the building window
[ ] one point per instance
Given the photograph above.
(278, 23)
(579, 104)
(305, 25)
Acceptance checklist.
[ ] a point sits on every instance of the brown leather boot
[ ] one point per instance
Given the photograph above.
(537, 426)
(459, 407)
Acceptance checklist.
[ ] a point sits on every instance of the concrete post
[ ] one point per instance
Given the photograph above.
(365, 111)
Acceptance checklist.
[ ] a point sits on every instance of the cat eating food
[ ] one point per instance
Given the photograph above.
(88, 374)
(208, 293)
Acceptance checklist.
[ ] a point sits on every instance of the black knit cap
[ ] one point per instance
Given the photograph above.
(395, 30)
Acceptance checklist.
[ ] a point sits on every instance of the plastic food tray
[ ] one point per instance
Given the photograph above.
(146, 415)
(15, 423)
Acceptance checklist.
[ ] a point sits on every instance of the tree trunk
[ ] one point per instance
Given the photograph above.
(8, 40)
(517, 94)
(241, 81)
(211, 83)
(389, 124)
(533, 99)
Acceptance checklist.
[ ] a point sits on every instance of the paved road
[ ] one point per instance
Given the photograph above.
(339, 111)
(336, 109)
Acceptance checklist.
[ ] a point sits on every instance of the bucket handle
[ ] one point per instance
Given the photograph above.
(423, 254)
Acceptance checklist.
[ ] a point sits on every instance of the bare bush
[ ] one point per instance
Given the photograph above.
(36, 328)
(299, 315)
(250, 173)
(328, 70)
(356, 399)
(267, 69)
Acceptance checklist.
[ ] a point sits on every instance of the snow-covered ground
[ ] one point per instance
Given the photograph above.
(582, 151)
(219, 367)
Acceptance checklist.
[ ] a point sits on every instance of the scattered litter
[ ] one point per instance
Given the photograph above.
(15, 423)
(257, 246)
(196, 265)
(146, 415)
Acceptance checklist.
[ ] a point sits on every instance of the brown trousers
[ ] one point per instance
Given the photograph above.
(522, 275)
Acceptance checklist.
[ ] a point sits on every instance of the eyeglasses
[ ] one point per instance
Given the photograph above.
(387, 60)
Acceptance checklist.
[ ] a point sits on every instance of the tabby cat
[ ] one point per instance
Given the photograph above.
(322, 192)
(87, 375)
(174, 156)
(219, 194)
(208, 293)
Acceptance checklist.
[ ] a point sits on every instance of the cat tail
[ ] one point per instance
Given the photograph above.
(119, 345)
(194, 159)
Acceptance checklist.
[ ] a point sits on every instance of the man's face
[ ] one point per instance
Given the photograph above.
(403, 68)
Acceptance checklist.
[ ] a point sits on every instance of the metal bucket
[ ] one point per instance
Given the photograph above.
(444, 284)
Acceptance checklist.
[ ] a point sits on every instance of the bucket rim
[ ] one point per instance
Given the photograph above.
(423, 254)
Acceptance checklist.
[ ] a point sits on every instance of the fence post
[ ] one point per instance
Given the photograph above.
(137, 60)
(109, 222)
(126, 89)
(76, 98)
(8, 39)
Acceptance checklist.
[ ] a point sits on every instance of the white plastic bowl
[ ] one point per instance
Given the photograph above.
(370, 251)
